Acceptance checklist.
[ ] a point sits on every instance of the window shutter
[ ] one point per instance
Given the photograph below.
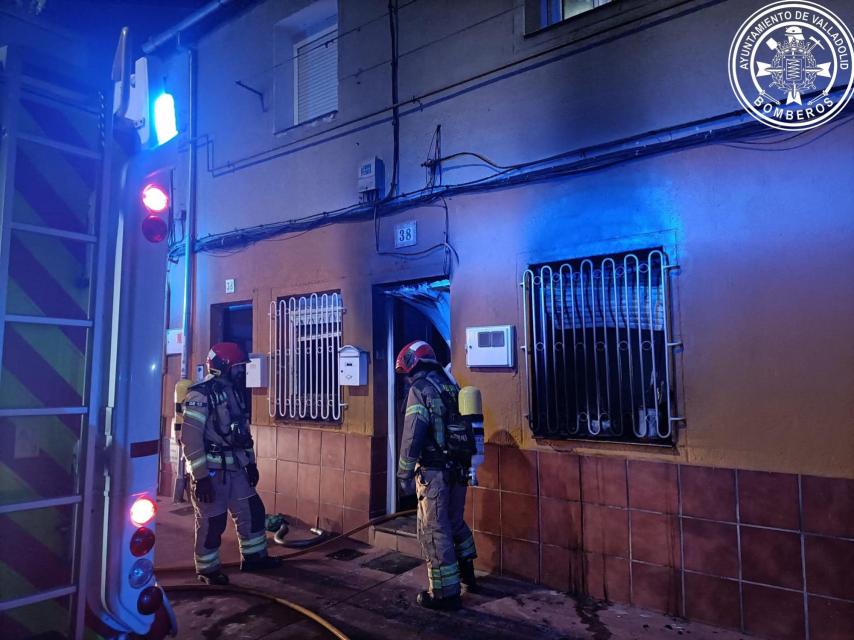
(317, 76)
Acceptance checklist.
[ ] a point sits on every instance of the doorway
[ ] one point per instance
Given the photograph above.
(413, 311)
(232, 322)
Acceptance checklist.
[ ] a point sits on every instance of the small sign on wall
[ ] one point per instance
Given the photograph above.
(174, 341)
(405, 234)
(229, 285)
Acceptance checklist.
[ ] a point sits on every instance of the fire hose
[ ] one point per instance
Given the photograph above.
(176, 587)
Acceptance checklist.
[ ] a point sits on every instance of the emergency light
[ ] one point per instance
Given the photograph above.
(154, 198)
(143, 510)
(164, 118)
(156, 201)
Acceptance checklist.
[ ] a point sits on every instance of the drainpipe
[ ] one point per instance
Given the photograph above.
(190, 231)
(155, 42)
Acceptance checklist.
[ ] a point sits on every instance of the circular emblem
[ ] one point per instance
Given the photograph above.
(790, 65)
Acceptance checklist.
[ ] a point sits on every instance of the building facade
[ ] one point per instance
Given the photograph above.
(673, 280)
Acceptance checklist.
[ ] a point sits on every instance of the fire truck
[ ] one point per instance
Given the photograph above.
(85, 213)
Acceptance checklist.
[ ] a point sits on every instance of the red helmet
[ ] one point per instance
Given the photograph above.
(414, 354)
(224, 355)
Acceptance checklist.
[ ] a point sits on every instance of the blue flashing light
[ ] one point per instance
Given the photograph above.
(164, 118)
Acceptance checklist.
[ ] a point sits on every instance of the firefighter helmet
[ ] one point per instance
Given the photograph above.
(414, 354)
(224, 355)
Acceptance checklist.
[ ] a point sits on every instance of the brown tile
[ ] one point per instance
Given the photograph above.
(518, 470)
(384, 540)
(265, 441)
(603, 481)
(657, 588)
(488, 552)
(554, 568)
(607, 578)
(357, 490)
(487, 510)
(653, 486)
(559, 475)
(308, 512)
(331, 486)
(605, 530)
(487, 473)
(332, 446)
(655, 538)
(708, 493)
(309, 446)
(410, 546)
(829, 567)
(771, 557)
(331, 518)
(520, 559)
(831, 619)
(287, 443)
(560, 523)
(269, 500)
(357, 455)
(287, 473)
(710, 547)
(354, 518)
(519, 517)
(828, 506)
(309, 482)
(712, 600)
(286, 505)
(768, 499)
(267, 474)
(773, 613)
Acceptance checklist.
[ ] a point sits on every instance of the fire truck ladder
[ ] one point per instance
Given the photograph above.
(53, 312)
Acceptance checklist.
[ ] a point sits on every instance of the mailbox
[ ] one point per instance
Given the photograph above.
(352, 366)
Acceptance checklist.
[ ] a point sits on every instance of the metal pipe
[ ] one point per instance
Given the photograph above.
(162, 38)
(190, 222)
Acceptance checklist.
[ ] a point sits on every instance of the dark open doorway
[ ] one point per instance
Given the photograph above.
(232, 322)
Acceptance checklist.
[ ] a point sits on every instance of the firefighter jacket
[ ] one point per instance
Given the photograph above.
(423, 440)
(216, 433)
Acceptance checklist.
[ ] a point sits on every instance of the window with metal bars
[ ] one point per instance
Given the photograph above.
(598, 348)
(305, 335)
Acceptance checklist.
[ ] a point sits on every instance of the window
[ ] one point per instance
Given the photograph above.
(553, 11)
(598, 348)
(316, 76)
(305, 335)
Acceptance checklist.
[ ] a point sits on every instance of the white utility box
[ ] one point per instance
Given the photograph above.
(490, 346)
(256, 371)
(352, 366)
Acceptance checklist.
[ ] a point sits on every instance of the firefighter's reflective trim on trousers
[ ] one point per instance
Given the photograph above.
(208, 562)
(252, 546)
(465, 549)
(445, 579)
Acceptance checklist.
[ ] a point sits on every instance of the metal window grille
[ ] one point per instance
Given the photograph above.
(316, 76)
(305, 335)
(598, 348)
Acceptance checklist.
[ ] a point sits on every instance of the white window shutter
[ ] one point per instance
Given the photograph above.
(317, 76)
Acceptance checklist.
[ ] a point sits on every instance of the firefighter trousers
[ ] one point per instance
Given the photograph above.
(444, 536)
(231, 493)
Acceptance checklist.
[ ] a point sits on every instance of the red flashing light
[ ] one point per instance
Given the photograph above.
(150, 600)
(155, 198)
(143, 511)
(141, 541)
(154, 228)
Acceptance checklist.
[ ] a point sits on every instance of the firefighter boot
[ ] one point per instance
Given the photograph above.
(449, 603)
(467, 576)
(216, 578)
(260, 563)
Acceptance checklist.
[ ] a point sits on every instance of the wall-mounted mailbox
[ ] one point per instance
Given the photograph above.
(256, 371)
(490, 346)
(352, 366)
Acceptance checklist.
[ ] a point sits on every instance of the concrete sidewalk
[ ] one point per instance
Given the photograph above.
(369, 592)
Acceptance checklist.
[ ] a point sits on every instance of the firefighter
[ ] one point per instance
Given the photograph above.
(435, 458)
(220, 459)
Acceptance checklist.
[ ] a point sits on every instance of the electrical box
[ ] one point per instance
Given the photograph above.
(256, 371)
(490, 346)
(371, 175)
(174, 341)
(352, 366)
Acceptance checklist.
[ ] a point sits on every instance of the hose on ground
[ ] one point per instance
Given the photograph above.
(323, 622)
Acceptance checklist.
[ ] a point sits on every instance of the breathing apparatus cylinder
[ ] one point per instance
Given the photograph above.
(471, 409)
(182, 387)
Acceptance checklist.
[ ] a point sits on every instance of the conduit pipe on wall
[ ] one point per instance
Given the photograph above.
(160, 39)
(190, 222)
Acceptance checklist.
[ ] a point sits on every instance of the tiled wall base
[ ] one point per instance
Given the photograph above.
(771, 554)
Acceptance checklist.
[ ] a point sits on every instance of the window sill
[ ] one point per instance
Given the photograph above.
(580, 20)
(319, 121)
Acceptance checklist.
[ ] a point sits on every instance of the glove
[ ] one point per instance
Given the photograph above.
(407, 485)
(203, 488)
(252, 473)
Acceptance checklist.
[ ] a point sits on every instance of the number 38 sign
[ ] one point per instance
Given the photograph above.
(404, 234)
